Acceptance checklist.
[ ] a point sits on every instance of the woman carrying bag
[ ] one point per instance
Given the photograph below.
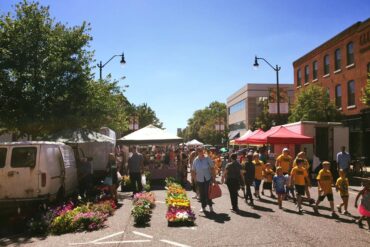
(234, 176)
(203, 173)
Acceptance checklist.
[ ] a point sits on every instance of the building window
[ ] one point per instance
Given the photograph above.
(351, 93)
(338, 96)
(338, 62)
(299, 78)
(326, 65)
(237, 107)
(306, 74)
(314, 71)
(350, 56)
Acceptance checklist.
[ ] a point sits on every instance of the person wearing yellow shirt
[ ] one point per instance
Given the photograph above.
(342, 185)
(306, 165)
(258, 164)
(299, 177)
(285, 161)
(268, 175)
(325, 180)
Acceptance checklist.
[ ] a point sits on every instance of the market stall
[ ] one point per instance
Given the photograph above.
(158, 149)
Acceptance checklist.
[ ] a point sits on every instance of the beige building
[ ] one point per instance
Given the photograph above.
(243, 105)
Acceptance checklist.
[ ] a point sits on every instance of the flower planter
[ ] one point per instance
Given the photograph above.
(179, 212)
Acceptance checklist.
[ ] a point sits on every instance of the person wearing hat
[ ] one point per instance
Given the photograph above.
(285, 161)
(233, 175)
(249, 176)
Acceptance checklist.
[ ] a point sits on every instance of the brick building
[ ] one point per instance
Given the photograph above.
(341, 66)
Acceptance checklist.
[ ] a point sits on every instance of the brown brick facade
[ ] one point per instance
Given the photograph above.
(357, 115)
(359, 35)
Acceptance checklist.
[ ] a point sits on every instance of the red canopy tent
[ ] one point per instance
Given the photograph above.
(241, 140)
(279, 135)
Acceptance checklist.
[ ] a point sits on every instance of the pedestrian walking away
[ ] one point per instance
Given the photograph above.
(249, 175)
(203, 173)
(135, 169)
(233, 176)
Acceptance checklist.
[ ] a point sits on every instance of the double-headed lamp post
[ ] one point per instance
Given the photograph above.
(276, 68)
(101, 65)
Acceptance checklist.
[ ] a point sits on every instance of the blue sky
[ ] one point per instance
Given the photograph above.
(183, 54)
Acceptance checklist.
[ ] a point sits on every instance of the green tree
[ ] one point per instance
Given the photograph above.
(202, 125)
(366, 92)
(313, 104)
(45, 78)
(145, 114)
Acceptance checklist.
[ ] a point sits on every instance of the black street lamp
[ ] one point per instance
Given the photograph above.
(276, 68)
(101, 65)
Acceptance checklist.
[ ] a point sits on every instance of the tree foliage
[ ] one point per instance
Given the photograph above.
(45, 77)
(366, 92)
(202, 125)
(147, 116)
(313, 104)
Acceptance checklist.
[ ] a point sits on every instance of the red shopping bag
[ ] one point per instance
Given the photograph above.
(214, 191)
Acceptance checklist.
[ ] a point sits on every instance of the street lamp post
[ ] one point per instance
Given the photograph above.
(276, 68)
(101, 65)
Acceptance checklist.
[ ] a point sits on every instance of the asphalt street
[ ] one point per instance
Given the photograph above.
(264, 225)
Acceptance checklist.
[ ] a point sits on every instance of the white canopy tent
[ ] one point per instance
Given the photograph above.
(150, 135)
(194, 143)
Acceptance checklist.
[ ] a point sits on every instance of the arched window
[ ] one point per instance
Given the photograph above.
(306, 74)
(338, 61)
(314, 70)
(299, 78)
(351, 93)
(350, 55)
(338, 96)
(326, 65)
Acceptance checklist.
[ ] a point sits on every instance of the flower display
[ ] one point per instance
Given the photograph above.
(143, 204)
(178, 204)
(73, 217)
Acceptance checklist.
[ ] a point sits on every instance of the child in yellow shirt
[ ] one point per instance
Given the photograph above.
(325, 180)
(342, 185)
(299, 178)
(268, 174)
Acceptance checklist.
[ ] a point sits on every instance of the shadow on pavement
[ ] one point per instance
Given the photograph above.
(338, 219)
(219, 218)
(268, 201)
(248, 214)
(264, 209)
(291, 211)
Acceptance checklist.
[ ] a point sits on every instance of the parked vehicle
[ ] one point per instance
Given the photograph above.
(36, 172)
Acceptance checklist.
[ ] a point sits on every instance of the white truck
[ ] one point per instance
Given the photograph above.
(35, 172)
(329, 137)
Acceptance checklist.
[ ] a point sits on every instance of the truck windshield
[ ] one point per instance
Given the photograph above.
(24, 157)
(2, 157)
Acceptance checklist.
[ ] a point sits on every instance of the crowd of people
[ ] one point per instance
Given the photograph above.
(288, 178)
